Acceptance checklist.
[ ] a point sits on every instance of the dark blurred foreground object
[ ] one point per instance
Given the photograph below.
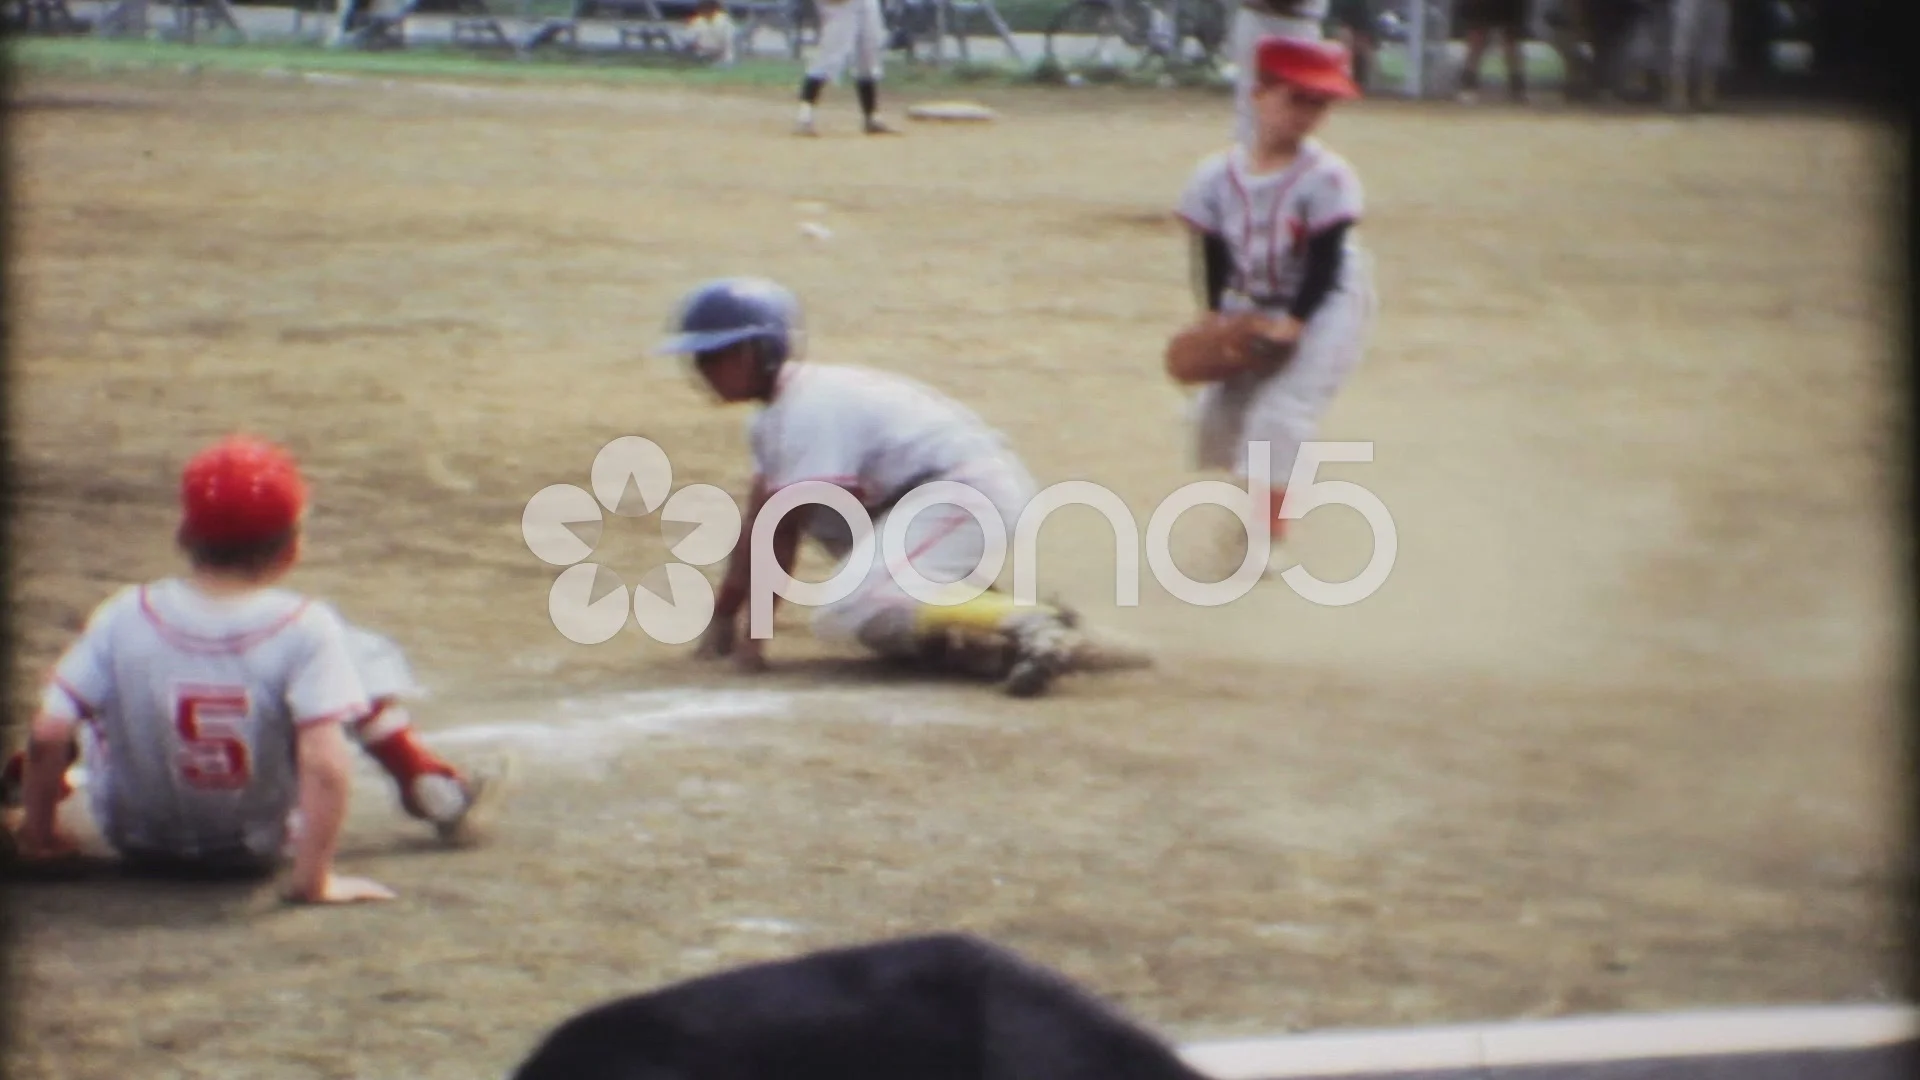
(941, 1007)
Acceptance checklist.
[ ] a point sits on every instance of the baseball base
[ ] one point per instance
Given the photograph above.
(962, 111)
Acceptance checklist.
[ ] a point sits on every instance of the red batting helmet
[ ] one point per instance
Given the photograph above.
(240, 490)
(1318, 67)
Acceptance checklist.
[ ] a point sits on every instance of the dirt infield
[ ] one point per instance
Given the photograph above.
(1617, 733)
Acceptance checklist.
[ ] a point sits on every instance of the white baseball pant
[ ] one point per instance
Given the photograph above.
(943, 542)
(1284, 409)
(850, 30)
(1248, 28)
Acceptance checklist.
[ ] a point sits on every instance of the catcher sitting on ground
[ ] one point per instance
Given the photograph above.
(215, 709)
(1288, 293)
(877, 436)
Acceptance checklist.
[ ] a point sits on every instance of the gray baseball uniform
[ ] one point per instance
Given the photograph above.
(189, 708)
(1267, 221)
(850, 30)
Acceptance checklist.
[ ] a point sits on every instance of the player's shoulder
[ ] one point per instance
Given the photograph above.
(121, 601)
(1332, 163)
(813, 385)
(1213, 165)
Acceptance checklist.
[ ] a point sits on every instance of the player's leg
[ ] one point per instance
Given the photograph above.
(430, 788)
(1218, 414)
(1285, 410)
(839, 25)
(1514, 41)
(1477, 40)
(945, 545)
(869, 41)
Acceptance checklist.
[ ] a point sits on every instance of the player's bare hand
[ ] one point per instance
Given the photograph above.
(44, 846)
(1284, 330)
(1273, 340)
(341, 890)
(717, 641)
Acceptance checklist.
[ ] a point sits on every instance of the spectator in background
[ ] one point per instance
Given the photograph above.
(710, 34)
(1481, 19)
(1355, 24)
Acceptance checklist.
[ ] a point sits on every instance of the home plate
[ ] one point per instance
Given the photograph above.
(950, 110)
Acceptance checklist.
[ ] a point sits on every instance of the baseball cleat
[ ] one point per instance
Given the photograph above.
(877, 126)
(1107, 653)
(459, 807)
(1043, 650)
(805, 127)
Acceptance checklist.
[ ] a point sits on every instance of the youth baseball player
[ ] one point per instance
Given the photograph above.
(1287, 290)
(850, 30)
(209, 708)
(1257, 19)
(878, 436)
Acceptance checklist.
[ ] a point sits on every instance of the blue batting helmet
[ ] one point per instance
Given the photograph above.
(728, 311)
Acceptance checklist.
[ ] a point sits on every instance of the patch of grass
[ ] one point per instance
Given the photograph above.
(550, 66)
(417, 61)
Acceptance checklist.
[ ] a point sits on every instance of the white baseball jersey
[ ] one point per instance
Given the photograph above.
(193, 703)
(1267, 220)
(877, 434)
(851, 32)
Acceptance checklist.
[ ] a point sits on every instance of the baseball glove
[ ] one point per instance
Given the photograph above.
(1219, 346)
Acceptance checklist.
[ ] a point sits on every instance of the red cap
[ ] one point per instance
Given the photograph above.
(1318, 67)
(241, 490)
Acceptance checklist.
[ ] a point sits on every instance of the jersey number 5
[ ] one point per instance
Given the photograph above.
(212, 724)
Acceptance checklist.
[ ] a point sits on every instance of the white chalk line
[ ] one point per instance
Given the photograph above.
(1627, 1037)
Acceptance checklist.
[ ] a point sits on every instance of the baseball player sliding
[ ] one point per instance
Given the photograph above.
(1288, 292)
(214, 711)
(850, 30)
(878, 436)
(1254, 20)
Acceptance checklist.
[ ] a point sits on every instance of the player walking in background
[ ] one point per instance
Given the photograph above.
(1288, 292)
(850, 30)
(1254, 20)
(878, 436)
(208, 709)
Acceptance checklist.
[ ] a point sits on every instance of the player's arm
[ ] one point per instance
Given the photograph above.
(321, 750)
(323, 692)
(1332, 210)
(81, 684)
(723, 635)
(49, 753)
(1325, 258)
(1210, 262)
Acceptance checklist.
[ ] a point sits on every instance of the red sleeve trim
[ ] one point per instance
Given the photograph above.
(338, 716)
(1344, 219)
(80, 703)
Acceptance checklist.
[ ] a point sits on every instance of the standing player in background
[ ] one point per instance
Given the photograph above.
(208, 709)
(711, 33)
(1480, 20)
(877, 436)
(850, 30)
(1287, 291)
(1254, 20)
